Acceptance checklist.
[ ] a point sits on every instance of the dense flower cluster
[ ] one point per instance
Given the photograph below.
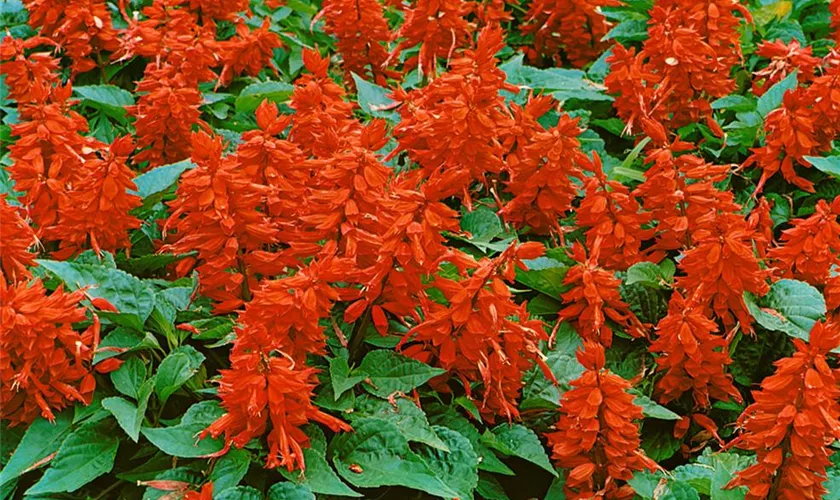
(596, 438)
(576, 27)
(795, 414)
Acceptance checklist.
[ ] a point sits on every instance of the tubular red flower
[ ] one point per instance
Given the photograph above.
(46, 364)
(249, 51)
(362, 33)
(811, 246)
(18, 239)
(28, 74)
(596, 438)
(692, 357)
(795, 415)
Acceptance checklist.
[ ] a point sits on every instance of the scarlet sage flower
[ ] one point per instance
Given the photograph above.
(574, 26)
(26, 69)
(594, 299)
(541, 177)
(15, 247)
(249, 51)
(595, 437)
(206, 493)
(721, 266)
(80, 27)
(439, 27)
(613, 220)
(50, 155)
(811, 246)
(264, 391)
(96, 211)
(216, 214)
(362, 33)
(45, 363)
(691, 355)
(222, 10)
(476, 338)
(784, 58)
(455, 123)
(795, 416)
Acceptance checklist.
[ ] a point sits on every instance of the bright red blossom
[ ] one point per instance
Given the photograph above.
(15, 246)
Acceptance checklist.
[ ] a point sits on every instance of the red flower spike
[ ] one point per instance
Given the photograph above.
(811, 246)
(15, 246)
(362, 32)
(594, 299)
(692, 357)
(248, 52)
(46, 365)
(795, 416)
(596, 438)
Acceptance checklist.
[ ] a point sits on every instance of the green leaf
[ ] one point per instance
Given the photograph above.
(239, 493)
(632, 30)
(648, 274)
(772, 99)
(735, 102)
(374, 99)
(457, 467)
(42, 438)
(290, 491)
(128, 415)
(129, 377)
(828, 164)
(160, 179)
(133, 298)
(341, 377)
(230, 469)
(86, 454)
(390, 372)
(790, 306)
(545, 274)
(319, 476)
(556, 490)
(123, 340)
(483, 225)
(175, 370)
(408, 418)
(182, 440)
(488, 460)
(541, 393)
(519, 441)
(252, 95)
(109, 99)
(489, 487)
(724, 467)
(376, 454)
(653, 410)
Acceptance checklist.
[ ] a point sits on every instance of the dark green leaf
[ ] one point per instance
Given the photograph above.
(319, 476)
(129, 377)
(390, 372)
(107, 98)
(790, 306)
(408, 418)
(41, 439)
(160, 179)
(341, 377)
(652, 409)
(86, 454)
(458, 467)
(290, 491)
(252, 95)
(239, 493)
(182, 440)
(175, 370)
(827, 164)
(519, 441)
(772, 99)
(376, 454)
(230, 469)
(374, 100)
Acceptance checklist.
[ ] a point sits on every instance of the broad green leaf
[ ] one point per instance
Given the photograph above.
(86, 454)
(489, 487)
(519, 441)
(252, 95)
(239, 493)
(488, 460)
(482, 224)
(632, 30)
(160, 179)
(290, 491)
(832, 485)
(653, 410)
(230, 469)
(458, 467)
(556, 490)
(341, 377)
(648, 274)
(175, 370)
(182, 440)
(374, 100)
(376, 454)
(735, 102)
(319, 476)
(133, 298)
(129, 377)
(128, 415)
(545, 274)
(41, 439)
(541, 393)
(408, 418)
(123, 340)
(107, 98)
(390, 372)
(772, 99)
(790, 306)
(724, 467)
(827, 164)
